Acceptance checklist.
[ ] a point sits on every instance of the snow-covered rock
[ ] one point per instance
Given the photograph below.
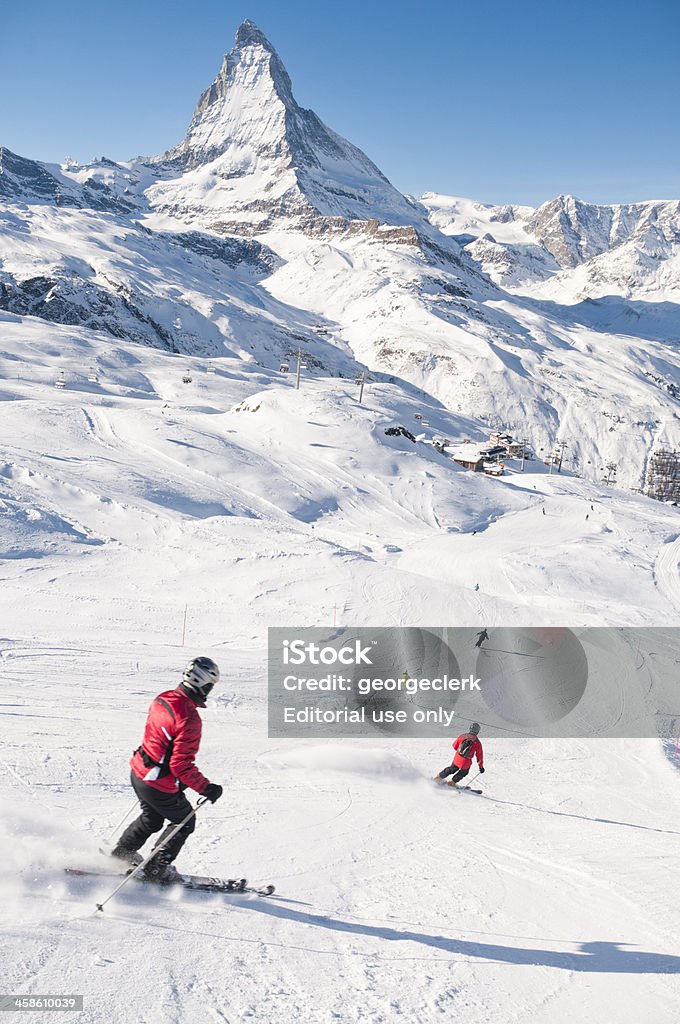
(252, 156)
(630, 250)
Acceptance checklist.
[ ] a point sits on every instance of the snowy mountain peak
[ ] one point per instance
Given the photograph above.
(569, 248)
(245, 104)
(268, 157)
(574, 231)
(248, 34)
(251, 49)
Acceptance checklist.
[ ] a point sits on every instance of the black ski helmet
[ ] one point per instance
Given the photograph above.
(474, 728)
(199, 677)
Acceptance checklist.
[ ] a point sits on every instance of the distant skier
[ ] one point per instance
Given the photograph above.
(467, 746)
(476, 586)
(163, 767)
(481, 637)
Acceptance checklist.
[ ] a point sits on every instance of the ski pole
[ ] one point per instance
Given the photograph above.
(468, 781)
(156, 849)
(125, 817)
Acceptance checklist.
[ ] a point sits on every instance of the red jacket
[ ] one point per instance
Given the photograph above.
(171, 740)
(475, 751)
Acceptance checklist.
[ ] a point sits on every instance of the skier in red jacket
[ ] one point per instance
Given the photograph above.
(163, 767)
(467, 746)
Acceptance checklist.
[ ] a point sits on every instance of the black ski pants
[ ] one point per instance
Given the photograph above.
(456, 773)
(158, 807)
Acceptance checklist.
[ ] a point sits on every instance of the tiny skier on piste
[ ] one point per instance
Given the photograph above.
(467, 746)
(481, 637)
(164, 766)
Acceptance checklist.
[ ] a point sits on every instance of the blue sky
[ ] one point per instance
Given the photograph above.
(503, 102)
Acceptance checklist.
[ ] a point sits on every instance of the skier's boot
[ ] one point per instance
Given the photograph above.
(452, 783)
(130, 857)
(161, 871)
(170, 876)
(438, 778)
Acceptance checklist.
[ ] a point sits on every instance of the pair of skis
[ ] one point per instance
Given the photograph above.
(466, 789)
(198, 883)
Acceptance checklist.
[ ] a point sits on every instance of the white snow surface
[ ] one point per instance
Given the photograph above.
(247, 503)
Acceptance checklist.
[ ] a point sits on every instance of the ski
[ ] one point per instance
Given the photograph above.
(464, 789)
(199, 883)
(204, 883)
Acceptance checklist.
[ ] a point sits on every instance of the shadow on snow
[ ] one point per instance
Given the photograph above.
(590, 957)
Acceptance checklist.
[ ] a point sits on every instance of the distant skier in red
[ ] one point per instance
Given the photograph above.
(163, 767)
(467, 746)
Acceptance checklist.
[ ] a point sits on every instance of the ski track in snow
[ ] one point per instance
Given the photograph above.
(667, 572)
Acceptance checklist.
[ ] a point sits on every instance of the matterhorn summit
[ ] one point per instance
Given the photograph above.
(252, 157)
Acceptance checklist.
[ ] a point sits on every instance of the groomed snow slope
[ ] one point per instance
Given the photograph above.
(550, 896)
(250, 504)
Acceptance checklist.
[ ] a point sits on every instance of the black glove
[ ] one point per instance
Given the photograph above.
(212, 792)
(481, 772)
